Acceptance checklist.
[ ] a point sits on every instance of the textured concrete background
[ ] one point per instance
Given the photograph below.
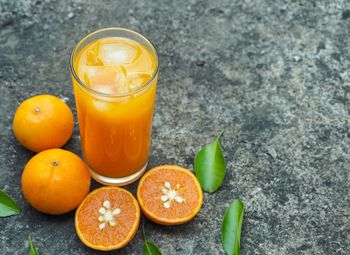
(273, 74)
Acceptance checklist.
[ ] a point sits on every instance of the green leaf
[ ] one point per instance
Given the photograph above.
(33, 250)
(210, 166)
(149, 248)
(8, 207)
(231, 227)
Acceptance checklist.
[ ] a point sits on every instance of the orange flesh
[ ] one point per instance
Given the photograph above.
(150, 193)
(115, 133)
(110, 237)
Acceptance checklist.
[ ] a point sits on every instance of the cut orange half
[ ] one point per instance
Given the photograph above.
(169, 195)
(107, 219)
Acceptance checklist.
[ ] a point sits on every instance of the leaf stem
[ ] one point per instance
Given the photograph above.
(33, 249)
(144, 233)
(219, 136)
(30, 242)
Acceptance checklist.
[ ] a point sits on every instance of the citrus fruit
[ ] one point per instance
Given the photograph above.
(55, 181)
(107, 219)
(169, 195)
(43, 122)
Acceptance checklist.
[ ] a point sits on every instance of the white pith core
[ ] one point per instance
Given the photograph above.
(170, 195)
(107, 215)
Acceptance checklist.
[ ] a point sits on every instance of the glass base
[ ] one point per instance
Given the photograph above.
(110, 181)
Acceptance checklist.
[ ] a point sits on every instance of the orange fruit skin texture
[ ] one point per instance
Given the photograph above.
(43, 122)
(111, 237)
(55, 181)
(149, 194)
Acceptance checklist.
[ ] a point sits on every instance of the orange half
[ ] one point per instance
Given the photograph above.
(169, 195)
(107, 219)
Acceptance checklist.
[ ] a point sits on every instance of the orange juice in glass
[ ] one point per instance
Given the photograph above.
(114, 73)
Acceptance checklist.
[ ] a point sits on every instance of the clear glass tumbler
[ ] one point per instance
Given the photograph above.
(115, 126)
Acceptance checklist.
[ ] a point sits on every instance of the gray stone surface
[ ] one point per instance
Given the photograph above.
(273, 74)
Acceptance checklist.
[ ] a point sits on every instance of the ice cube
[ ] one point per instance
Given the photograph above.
(100, 105)
(137, 79)
(105, 79)
(104, 89)
(118, 53)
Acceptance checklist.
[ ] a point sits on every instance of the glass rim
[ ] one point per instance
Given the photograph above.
(141, 88)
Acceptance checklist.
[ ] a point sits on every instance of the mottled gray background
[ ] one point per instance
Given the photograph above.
(273, 74)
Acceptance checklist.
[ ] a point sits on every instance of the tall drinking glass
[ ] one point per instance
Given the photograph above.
(114, 73)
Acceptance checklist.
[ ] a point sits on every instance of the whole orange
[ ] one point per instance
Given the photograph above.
(43, 122)
(55, 181)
